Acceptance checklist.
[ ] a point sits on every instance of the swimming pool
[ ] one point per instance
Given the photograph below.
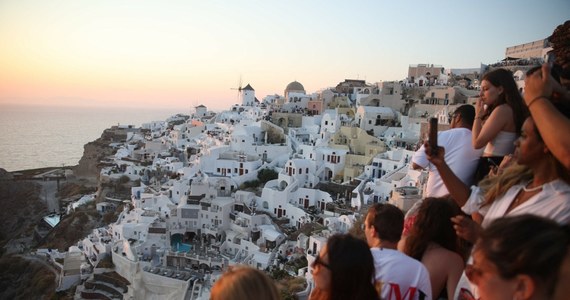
(181, 247)
(177, 245)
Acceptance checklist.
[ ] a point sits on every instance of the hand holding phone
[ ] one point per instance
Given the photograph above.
(550, 58)
(433, 135)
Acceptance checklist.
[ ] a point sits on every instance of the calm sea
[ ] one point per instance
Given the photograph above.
(35, 137)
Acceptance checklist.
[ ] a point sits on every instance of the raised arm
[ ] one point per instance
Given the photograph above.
(457, 189)
(484, 132)
(552, 125)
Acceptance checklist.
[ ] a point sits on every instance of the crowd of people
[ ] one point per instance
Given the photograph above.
(495, 220)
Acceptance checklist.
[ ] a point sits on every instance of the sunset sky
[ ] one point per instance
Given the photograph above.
(185, 53)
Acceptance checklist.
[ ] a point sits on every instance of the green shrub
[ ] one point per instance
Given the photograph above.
(266, 175)
(250, 184)
(124, 179)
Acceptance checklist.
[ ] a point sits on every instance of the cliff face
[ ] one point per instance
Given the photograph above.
(21, 209)
(94, 152)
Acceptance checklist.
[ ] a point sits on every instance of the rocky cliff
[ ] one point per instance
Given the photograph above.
(96, 151)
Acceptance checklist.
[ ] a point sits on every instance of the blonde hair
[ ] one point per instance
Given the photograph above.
(498, 185)
(244, 283)
(515, 173)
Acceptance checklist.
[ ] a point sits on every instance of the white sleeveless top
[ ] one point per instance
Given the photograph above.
(501, 145)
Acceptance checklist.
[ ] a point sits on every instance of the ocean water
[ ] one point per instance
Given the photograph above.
(41, 136)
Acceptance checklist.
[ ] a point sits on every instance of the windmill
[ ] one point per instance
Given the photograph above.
(238, 90)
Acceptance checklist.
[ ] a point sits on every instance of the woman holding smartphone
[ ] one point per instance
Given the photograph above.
(499, 114)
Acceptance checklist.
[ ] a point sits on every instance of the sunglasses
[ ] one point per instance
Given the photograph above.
(465, 294)
(473, 272)
(319, 261)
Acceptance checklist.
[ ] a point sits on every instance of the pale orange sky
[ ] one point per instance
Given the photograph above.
(185, 53)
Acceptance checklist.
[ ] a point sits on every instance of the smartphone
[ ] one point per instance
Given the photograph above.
(433, 135)
(492, 162)
(550, 58)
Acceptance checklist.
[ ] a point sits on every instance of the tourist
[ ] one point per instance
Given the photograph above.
(433, 242)
(244, 283)
(541, 89)
(499, 114)
(537, 184)
(399, 274)
(460, 155)
(519, 257)
(535, 168)
(344, 269)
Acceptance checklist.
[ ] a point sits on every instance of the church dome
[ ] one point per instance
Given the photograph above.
(294, 87)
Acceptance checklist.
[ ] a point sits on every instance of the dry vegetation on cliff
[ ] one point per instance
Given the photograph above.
(25, 279)
(21, 209)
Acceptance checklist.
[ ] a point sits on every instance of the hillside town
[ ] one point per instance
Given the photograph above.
(264, 183)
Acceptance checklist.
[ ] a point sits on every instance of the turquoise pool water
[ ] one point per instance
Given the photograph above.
(177, 245)
(181, 247)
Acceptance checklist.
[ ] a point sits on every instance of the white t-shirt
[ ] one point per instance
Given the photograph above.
(553, 202)
(460, 155)
(402, 277)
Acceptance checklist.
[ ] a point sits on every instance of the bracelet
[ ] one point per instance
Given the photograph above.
(534, 99)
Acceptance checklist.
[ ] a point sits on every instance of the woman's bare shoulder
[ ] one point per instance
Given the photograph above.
(442, 254)
(503, 110)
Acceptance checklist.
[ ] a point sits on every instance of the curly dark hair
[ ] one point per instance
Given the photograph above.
(433, 225)
(560, 40)
(510, 95)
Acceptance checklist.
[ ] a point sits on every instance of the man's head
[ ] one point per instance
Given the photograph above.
(463, 117)
(383, 225)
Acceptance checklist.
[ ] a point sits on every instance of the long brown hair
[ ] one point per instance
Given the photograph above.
(510, 96)
(433, 225)
(352, 268)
